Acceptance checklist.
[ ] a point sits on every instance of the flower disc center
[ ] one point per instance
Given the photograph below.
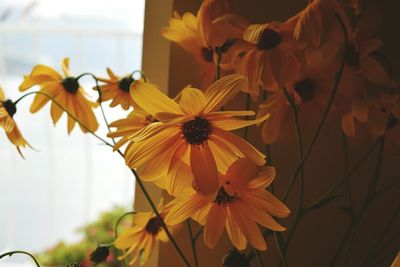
(223, 197)
(196, 131)
(269, 39)
(207, 54)
(71, 85)
(125, 83)
(153, 226)
(10, 107)
(306, 89)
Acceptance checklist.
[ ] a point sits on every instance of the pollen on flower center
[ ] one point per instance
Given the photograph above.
(10, 107)
(196, 131)
(153, 226)
(207, 54)
(223, 197)
(71, 85)
(352, 57)
(269, 39)
(125, 83)
(305, 88)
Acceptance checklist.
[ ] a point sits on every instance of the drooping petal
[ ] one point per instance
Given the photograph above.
(375, 73)
(246, 148)
(234, 233)
(214, 225)
(204, 169)
(152, 100)
(51, 89)
(223, 90)
(280, 59)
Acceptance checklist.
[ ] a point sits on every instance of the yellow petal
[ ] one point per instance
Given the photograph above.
(152, 100)
(65, 67)
(230, 124)
(204, 169)
(348, 125)
(264, 200)
(263, 179)
(183, 208)
(234, 233)
(192, 101)
(52, 89)
(223, 90)
(214, 225)
(242, 171)
(179, 178)
(253, 33)
(246, 148)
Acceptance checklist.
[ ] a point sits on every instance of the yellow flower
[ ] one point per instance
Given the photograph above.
(240, 203)
(192, 130)
(129, 126)
(66, 91)
(140, 239)
(7, 111)
(117, 90)
(396, 262)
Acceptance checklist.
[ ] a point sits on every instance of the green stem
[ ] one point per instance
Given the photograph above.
(141, 74)
(192, 242)
(218, 68)
(10, 253)
(138, 180)
(119, 221)
(325, 114)
(259, 257)
(370, 193)
(278, 243)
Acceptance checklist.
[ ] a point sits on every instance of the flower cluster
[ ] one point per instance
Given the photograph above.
(319, 61)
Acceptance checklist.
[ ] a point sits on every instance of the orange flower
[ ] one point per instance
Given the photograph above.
(240, 203)
(265, 61)
(117, 90)
(201, 35)
(7, 112)
(382, 116)
(66, 91)
(140, 239)
(192, 130)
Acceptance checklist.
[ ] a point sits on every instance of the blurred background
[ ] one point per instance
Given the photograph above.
(68, 180)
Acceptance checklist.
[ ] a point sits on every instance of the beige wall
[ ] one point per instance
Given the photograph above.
(319, 233)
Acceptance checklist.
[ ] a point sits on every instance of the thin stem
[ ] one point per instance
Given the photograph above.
(376, 259)
(197, 235)
(119, 221)
(10, 253)
(342, 243)
(192, 242)
(278, 243)
(68, 113)
(370, 193)
(331, 190)
(246, 129)
(259, 257)
(325, 114)
(141, 74)
(218, 68)
(100, 100)
(138, 180)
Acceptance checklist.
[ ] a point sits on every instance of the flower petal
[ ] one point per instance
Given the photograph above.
(263, 179)
(241, 172)
(230, 124)
(253, 33)
(152, 100)
(185, 207)
(192, 101)
(214, 225)
(204, 169)
(223, 90)
(234, 233)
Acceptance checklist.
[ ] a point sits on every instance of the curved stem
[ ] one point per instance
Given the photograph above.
(119, 221)
(325, 114)
(10, 253)
(141, 74)
(259, 257)
(138, 180)
(278, 242)
(192, 242)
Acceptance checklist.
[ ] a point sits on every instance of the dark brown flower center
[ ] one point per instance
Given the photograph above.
(71, 85)
(10, 107)
(223, 197)
(269, 39)
(125, 83)
(392, 122)
(306, 89)
(196, 131)
(207, 54)
(352, 57)
(153, 226)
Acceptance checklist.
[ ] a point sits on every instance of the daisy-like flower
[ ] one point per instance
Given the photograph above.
(382, 116)
(200, 35)
(240, 203)
(192, 130)
(270, 49)
(129, 126)
(140, 239)
(66, 91)
(7, 112)
(117, 90)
